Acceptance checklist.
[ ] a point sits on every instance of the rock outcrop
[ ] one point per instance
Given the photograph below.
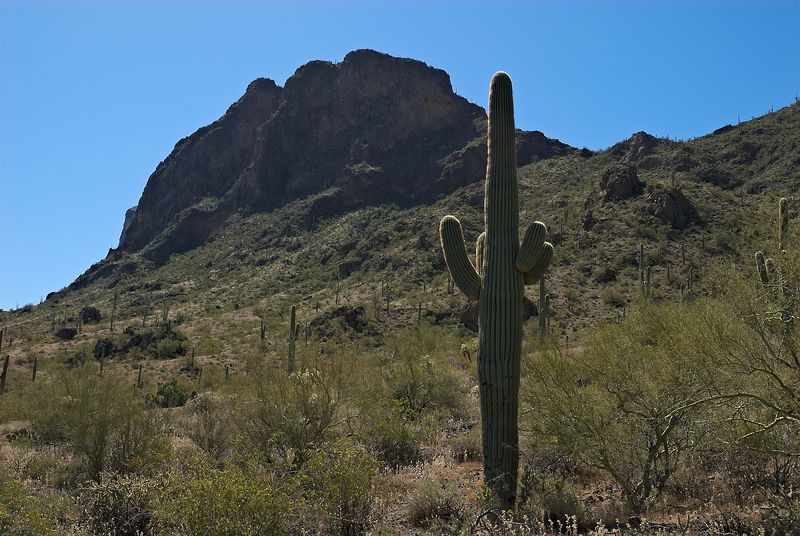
(671, 206)
(635, 148)
(370, 129)
(620, 181)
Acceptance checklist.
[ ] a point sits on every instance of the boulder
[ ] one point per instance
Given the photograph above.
(620, 181)
(671, 206)
(90, 315)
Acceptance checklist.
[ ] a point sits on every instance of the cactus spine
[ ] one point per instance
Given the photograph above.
(292, 338)
(498, 283)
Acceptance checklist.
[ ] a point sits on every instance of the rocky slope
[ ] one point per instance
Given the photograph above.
(371, 129)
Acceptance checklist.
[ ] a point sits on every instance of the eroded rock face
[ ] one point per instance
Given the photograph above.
(203, 165)
(620, 181)
(635, 148)
(671, 206)
(372, 128)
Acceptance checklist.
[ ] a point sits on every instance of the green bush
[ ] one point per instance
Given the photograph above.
(396, 439)
(290, 416)
(337, 485)
(435, 503)
(120, 504)
(421, 384)
(226, 502)
(170, 395)
(20, 511)
(101, 419)
(628, 405)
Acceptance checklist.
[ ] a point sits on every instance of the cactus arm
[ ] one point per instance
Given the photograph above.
(542, 262)
(455, 255)
(479, 252)
(531, 248)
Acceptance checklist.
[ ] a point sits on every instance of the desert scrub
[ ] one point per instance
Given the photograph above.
(119, 504)
(292, 415)
(397, 440)
(25, 511)
(170, 394)
(421, 384)
(101, 419)
(337, 486)
(227, 502)
(436, 504)
(628, 406)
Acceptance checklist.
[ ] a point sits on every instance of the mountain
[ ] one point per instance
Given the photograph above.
(343, 175)
(370, 129)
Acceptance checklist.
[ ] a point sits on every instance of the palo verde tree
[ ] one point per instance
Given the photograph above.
(503, 268)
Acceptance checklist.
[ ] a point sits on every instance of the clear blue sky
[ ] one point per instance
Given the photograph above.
(94, 94)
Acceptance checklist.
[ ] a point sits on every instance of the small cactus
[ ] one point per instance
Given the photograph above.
(35, 365)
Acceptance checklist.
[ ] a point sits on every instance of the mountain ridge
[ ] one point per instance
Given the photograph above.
(372, 128)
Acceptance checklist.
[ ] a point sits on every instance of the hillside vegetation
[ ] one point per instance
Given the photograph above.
(673, 410)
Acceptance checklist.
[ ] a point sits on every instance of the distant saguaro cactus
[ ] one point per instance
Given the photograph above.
(498, 283)
(4, 374)
(292, 339)
(783, 222)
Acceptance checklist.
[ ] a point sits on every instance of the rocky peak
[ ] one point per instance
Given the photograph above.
(635, 148)
(370, 129)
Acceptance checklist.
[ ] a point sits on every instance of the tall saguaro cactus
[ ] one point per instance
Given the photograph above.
(504, 267)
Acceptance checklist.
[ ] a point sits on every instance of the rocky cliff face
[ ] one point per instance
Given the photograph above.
(370, 129)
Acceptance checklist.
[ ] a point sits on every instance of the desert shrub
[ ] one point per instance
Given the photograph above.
(208, 426)
(21, 513)
(337, 485)
(628, 405)
(604, 274)
(170, 394)
(101, 419)
(420, 383)
(227, 502)
(66, 334)
(435, 503)
(119, 504)
(466, 446)
(291, 415)
(161, 341)
(90, 315)
(395, 438)
(613, 297)
(551, 496)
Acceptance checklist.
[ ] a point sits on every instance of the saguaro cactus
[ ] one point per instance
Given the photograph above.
(783, 222)
(504, 267)
(292, 338)
(4, 375)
